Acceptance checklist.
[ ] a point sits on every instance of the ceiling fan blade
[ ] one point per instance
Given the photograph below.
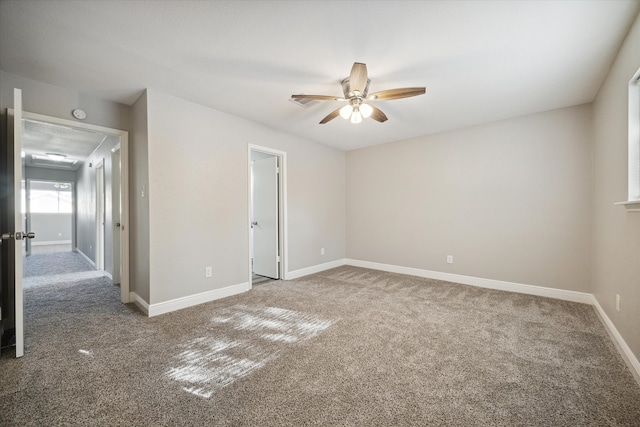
(358, 77)
(406, 92)
(318, 97)
(332, 115)
(378, 115)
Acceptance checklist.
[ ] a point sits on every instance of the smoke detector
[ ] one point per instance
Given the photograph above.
(79, 114)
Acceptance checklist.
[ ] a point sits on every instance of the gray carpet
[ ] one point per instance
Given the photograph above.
(348, 347)
(48, 265)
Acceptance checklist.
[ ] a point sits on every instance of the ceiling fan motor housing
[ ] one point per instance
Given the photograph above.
(345, 89)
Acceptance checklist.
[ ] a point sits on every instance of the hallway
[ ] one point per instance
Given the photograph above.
(54, 264)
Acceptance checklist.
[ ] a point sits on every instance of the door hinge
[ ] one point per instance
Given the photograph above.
(278, 170)
(278, 259)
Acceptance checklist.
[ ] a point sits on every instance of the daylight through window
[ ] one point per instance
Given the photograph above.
(634, 138)
(50, 197)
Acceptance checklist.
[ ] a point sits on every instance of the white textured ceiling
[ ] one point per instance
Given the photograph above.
(40, 138)
(481, 61)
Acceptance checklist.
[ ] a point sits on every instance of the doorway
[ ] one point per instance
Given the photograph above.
(12, 323)
(98, 159)
(267, 210)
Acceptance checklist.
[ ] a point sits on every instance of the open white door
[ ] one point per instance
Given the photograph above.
(18, 235)
(265, 217)
(17, 185)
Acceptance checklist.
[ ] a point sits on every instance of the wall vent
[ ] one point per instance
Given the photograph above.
(304, 102)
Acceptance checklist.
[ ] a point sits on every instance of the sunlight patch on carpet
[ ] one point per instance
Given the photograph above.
(210, 363)
(276, 324)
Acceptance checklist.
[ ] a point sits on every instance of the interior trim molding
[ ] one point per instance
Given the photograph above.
(51, 242)
(93, 264)
(191, 300)
(624, 350)
(630, 206)
(314, 269)
(542, 291)
(283, 227)
(137, 300)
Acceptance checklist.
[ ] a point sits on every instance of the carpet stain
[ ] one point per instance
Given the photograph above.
(210, 363)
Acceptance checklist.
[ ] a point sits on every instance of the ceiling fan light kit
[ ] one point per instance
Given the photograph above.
(356, 91)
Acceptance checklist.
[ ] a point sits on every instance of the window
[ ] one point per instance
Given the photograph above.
(634, 138)
(633, 198)
(50, 197)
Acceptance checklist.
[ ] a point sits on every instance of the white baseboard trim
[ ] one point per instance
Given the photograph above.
(106, 273)
(314, 269)
(51, 242)
(190, 301)
(542, 291)
(137, 300)
(624, 350)
(85, 257)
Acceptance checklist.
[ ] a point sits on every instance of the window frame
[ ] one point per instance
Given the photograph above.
(633, 185)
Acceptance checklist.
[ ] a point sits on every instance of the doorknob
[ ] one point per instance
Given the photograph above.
(254, 223)
(22, 235)
(19, 235)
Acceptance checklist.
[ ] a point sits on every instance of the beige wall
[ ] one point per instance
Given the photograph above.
(86, 194)
(509, 200)
(616, 237)
(138, 205)
(198, 197)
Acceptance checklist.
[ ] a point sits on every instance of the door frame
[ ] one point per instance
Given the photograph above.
(282, 208)
(115, 229)
(100, 214)
(124, 187)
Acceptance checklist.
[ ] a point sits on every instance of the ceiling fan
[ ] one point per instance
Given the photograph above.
(356, 92)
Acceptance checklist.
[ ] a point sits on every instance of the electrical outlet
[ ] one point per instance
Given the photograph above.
(449, 259)
(208, 271)
(321, 251)
(617, 302)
